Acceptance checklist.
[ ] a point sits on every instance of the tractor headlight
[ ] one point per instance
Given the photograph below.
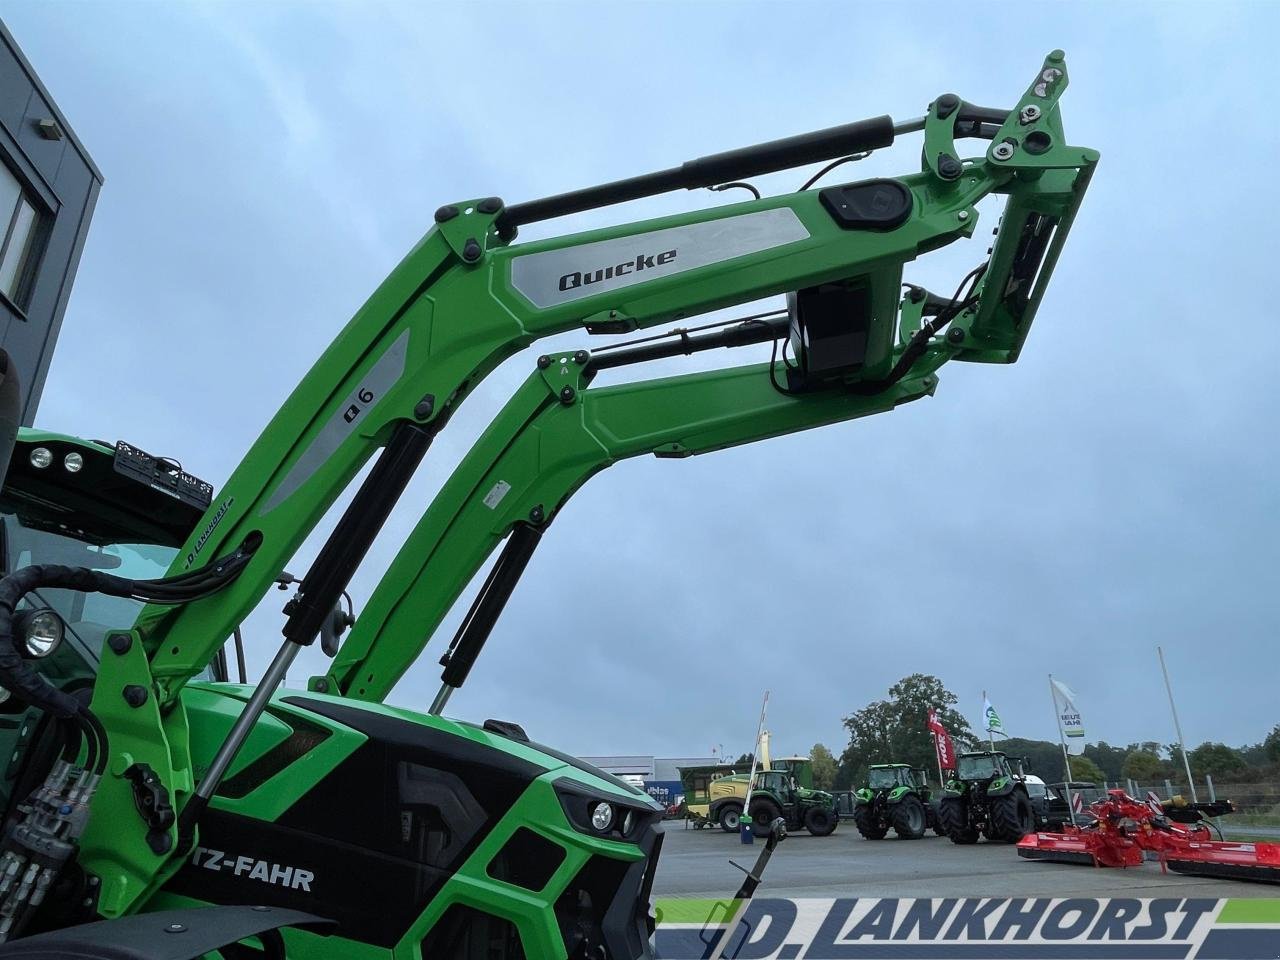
(602, 816)
(73, 462)
(41, 457)
(41, 631)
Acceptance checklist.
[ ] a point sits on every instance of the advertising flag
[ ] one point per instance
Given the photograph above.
(1064, 701)
(942, 742)
(992, 719)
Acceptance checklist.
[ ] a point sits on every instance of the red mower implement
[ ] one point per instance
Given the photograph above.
(1175, 832)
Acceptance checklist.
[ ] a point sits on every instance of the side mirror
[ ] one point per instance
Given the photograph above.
(332, 628)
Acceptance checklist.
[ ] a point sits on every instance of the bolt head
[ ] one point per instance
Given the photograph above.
(446, 213)
(962, 215)
(543, 362)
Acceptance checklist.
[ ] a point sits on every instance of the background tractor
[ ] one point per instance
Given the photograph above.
(776, 793)
(986, 797)
(895, 796)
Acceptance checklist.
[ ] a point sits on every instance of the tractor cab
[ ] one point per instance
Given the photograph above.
(991, 765)
(80, 503)
(987, 765)
(887, 776)
(780, 783)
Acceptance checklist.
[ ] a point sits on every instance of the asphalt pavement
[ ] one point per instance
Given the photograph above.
(695, 863)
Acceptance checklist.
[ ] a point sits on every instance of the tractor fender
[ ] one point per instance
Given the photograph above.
(1002, 787)
(897, 795)
(166, 935)
(863, 797)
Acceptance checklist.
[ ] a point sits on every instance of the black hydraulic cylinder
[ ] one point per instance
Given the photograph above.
(707, 171)
(489, 603)
(679, 344)
(355, 531)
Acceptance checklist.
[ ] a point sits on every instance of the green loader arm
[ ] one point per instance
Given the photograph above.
(551, 437)
(466, 298)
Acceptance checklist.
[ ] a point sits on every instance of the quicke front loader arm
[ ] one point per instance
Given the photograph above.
(552, 436)
(465, 299)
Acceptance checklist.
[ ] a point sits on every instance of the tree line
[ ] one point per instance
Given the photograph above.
(893, 730)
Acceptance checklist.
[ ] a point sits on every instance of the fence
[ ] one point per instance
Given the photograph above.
(1253, 801)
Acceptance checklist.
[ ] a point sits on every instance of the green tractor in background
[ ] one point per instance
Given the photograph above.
(776, 793)
(896, 796)
(986, 797)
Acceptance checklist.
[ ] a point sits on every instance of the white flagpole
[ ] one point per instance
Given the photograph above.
(755, 757)
(1062, 739)
(1177, 727)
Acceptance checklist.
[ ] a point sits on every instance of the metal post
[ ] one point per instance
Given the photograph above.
(1168, 788)
(746, 829)
(1182, 744)
(1213, 794)
(1062, 740)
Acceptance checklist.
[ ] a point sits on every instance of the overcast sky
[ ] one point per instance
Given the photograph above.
(267, 164)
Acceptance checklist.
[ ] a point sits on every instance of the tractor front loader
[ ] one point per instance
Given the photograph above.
(155, 786)
(986, 797)
(897, 796)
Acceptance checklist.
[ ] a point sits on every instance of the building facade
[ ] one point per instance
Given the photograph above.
(657, 776)
(48, 188)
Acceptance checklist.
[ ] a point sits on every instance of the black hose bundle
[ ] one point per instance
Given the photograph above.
(16, 674)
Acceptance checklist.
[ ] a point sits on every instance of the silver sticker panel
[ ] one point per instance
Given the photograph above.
(348, 418)
(553, 277)
(495, 495)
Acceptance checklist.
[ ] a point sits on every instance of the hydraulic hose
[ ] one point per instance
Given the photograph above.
(17, 675)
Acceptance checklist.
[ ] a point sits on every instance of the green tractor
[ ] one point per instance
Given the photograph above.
(776, 794)
(160, 811)
(986, 797)
(895, 796)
